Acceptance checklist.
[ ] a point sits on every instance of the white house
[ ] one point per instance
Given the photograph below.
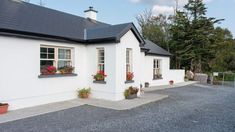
(33, 37)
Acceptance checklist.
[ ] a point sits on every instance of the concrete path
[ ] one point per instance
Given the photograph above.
(150, 89)
(124, 104)
(115, 105)
(38, 110)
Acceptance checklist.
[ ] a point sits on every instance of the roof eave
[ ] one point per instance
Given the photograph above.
(157, 54)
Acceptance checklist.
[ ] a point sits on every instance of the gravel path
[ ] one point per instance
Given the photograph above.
(194, 108)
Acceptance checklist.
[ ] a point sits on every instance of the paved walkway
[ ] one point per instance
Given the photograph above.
(146, 98)
(150, 89)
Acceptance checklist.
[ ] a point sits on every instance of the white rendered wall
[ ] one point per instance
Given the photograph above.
(102, 91)
(167, 74)
(127, 41)
(19, 82)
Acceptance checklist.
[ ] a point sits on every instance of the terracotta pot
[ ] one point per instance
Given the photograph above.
(3, 108)
(171, 82)
(84, 95)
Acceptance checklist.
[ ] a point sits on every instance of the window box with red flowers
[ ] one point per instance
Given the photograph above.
(48, 70)
(99, 77)
(129, 77)
(51, 72)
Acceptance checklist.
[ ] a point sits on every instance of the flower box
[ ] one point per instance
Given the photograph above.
(48, 70)
(66, 70)
(129, 76)
(99, 76)
(132, 96)
(131, 93)
(3, 108)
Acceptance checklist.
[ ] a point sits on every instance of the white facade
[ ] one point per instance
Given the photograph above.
(21, 87)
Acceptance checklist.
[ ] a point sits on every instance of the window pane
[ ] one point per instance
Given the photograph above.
(62, 64)
(61, 54)
(44, 50)
(64, 54)
(46, 63)
(51, 56)
(68, 54)
(101, 67)
(51, 50)
(43, 56)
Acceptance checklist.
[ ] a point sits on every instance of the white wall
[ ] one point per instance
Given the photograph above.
(127, 41)
(19, 82)
(167, 74)
(102, 91)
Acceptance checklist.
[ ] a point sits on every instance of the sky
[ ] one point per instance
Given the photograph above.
(124, 11)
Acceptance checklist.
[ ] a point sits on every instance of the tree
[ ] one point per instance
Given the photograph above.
(196, 39)
(224, 51)
(155, 28)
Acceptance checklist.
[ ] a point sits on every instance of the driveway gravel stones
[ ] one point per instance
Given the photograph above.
(194, 108)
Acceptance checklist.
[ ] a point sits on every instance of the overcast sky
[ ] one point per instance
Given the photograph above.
(123, 11)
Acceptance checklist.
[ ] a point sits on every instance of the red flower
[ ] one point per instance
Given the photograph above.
(130, 76)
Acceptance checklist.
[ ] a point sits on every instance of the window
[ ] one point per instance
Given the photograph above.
(64, 58)
(47, 56)
(129, 74)
(157, 69)
(101, 59)
(58, 57)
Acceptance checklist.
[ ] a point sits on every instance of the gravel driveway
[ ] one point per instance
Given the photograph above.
(194, 108)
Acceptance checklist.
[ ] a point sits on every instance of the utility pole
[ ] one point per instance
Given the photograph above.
(41, 3)
(176, 6)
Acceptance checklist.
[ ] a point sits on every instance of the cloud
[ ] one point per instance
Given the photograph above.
(167, 10)
(164, 6)
(160, 2)
(164, 2)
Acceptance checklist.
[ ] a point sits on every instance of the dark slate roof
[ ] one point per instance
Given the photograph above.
(112, 32)
(151, 48)
(28, 19)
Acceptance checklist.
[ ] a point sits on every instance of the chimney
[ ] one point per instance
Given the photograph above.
(91, 13)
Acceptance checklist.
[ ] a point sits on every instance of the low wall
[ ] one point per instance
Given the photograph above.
(176, 75)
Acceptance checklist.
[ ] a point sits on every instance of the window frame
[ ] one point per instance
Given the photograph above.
(129, 64)
(100, 63)
(157, 70)
(56, 55)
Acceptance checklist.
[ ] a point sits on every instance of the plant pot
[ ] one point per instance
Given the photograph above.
(3, 108)
(131, 96)
(99, 79)
(84, 95)
(146, 85)
(171, 82)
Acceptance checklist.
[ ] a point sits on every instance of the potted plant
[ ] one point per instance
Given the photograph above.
(146, 84)
(3, 108)
(186, 79)
(66, 70)
(100, 76)
(84, 93)
(129, 76)
(131, 93)
(48, 70)
(171, 82)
